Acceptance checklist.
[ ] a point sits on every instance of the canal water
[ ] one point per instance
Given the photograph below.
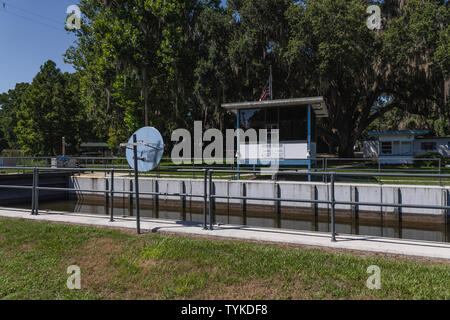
(438, 233)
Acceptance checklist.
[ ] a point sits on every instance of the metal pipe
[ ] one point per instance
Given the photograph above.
(439, 171)
(211, 200)
(368, 204)
(361, 174)
(333, 204)
(33, 192)
(349, 174)
(101, 191)
(111, 219)
(136, 186)
(205, 198)
(36, 193)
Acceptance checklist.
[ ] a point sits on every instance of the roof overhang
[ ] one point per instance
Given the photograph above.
(317, 103)
(398, 132)
(94, 145)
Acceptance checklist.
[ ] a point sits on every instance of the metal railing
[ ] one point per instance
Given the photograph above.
(35, 188)
(323, 164)
(85, 162)
(332, 202)
(208, 198)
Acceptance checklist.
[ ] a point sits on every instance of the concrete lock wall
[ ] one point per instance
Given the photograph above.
(46, 179)
(405, 194)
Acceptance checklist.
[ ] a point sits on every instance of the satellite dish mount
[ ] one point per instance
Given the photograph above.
(144, 151)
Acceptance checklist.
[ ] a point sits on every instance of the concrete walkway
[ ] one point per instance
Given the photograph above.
(350, 242)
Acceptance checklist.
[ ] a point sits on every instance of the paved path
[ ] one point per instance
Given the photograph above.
(350, 242)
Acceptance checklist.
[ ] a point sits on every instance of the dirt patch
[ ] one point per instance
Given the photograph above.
(360, 253)
(27, 246)
(94, 260)
(103, 262)
(260, 290)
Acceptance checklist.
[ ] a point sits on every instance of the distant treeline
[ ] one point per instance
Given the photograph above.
(170, 63)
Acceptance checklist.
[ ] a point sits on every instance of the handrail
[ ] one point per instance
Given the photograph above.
(209, 197)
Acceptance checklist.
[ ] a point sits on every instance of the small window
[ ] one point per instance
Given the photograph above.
(428, 146)
(386, 147)
(293, 124)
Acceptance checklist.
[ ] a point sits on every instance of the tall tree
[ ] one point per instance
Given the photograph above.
(50, 110)
(333, 48)
(148, 43)
(362, 73)
(9, 106)
(168, 63)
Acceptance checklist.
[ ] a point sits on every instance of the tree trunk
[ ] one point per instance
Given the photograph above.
(331, 147)
(346, 143)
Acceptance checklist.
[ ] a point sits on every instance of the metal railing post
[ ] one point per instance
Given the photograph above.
(33, 193)
(333, 205)
(205, 198)
(440, 172)
(111, 219)
(323, 169)
(36, 197)
(136, 186)
(211, 200)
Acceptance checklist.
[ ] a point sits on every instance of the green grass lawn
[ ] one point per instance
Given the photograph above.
(34, 257)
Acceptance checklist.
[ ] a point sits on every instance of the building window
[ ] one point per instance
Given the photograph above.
(428, 146)
(386, 147)
(293, 124)
(252, 119)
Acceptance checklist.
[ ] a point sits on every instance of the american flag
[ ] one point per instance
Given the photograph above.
(265, 92)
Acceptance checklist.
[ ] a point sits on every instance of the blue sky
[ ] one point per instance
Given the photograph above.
(31, 32)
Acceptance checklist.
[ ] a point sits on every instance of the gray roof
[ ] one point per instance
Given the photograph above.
(317, 103)
(398, 132)
(94, 145)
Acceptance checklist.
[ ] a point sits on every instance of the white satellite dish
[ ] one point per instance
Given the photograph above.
(149, 146)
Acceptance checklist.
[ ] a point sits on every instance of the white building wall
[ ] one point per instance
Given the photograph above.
(371, 148)
(285, 151)
(442, 146)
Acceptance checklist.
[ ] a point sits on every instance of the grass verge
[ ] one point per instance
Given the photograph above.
(115, 264)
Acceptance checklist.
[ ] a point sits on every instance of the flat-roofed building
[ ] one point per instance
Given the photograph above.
(294, 118)
(403, 145)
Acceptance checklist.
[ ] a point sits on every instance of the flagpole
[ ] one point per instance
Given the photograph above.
(270, 83)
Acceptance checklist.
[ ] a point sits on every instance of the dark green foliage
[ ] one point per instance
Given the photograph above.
(170, 63)
(10, 103)
(49, 110)
(433, 156)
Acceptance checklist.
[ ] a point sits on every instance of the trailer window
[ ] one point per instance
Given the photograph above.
(428, 146)
(386, 147)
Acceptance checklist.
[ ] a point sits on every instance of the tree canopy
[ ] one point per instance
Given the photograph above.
(170, 63)
(49, 110)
